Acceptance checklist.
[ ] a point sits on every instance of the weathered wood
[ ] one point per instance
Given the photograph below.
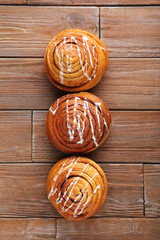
(109, 228)
(27, 229)
(25, 85)
(152, 190)
(131, 32)
(28, 30)
(93, 2)
(134, 138)
(15, 136)
(42, 148)
(127, 84)
(130, 84)
(125, 190)
(23, 190)
(13, 1)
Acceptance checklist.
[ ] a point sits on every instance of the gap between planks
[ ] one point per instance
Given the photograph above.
(87, 6)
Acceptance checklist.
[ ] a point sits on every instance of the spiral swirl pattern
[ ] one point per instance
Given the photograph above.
(77, 187)
(75, 60)
(78, 123)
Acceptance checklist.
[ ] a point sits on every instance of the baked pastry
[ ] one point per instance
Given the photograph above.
(78, 123)
(76, 187)
(75, 60)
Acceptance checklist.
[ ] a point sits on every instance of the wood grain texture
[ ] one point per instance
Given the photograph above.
(25, 85)
(93, 2)
(15, 136)
(131, 32)
(28, 30)
(109, 228)
(27, 229)
(127, 84)
(23, 190)
(131, 84)
(152, 190)
(42, 148)
(134, 138)
(13, 1)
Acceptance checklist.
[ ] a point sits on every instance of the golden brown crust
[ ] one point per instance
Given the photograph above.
(78, 123)
(75, 60)
(77, 187)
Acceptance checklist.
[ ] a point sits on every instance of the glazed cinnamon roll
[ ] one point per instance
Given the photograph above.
(76, 187)
(78, 123)
(75, 60)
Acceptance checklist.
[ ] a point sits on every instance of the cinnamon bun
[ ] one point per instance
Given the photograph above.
(77, 187)
(78, 123)
(75, 60)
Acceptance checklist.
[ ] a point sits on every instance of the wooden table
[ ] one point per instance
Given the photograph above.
(130, 88)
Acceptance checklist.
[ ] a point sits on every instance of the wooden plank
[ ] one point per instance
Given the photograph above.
(134, 138)
(109, 228)
(13, 2)
(25, 85)
(131, 84)
(42, 148)
(93, 2)
(131, 32)
(152, 190)
(127, 84)
(28, 30)
(23, 190)
(15, 136)
(30, 229)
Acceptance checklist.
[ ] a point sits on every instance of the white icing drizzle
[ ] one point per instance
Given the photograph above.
(94, 71)
(70, 131)
(98, 118)
(102, 48)
(85, 204)
(103, 118)
(82, 131)
(74, 109)
(85, 43)
(73, 183)
(68, 65)
(52, 191)
(80, 202)
(59, 200)
(80, 59)
(53, 112)
(92, 128)
(94, 50)
(59, 62)
(67, 57)
(79, 130)
(64, 40)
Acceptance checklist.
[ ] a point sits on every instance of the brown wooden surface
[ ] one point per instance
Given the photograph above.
(152, 190)
(134, 82)
(130, 88)
(28, 30)
(131, 32)
(24, 190)
(93, 2)
(13, 1)
(134, 138)
(15, 136)
(112, 229)
(30, 229)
